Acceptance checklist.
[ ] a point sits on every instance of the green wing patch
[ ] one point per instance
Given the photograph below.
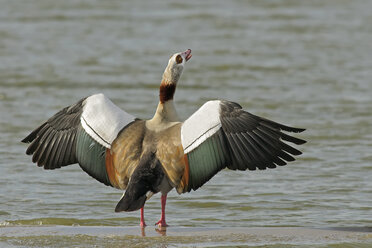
(91, 156)
(206, 160)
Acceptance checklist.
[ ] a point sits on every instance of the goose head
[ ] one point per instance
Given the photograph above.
(175, 67)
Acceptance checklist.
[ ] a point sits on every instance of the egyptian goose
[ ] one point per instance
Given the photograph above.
(145, 157)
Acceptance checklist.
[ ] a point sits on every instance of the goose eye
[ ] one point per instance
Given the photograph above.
(179, 59)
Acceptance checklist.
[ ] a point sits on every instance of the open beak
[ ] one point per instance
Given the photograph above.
(187, 54)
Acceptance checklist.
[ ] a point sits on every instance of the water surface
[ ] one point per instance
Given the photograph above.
(303, 63)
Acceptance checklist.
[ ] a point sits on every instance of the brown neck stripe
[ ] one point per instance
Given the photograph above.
(166, 92)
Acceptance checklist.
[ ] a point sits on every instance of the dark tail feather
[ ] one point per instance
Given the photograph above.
(128, 203)
(145, 179)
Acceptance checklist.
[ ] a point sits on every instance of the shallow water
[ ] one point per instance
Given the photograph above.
(303, 63)
(62, 236)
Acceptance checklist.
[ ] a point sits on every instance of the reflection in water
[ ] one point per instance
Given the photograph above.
(161, 230)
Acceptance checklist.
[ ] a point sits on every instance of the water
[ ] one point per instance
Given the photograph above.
(303, 63)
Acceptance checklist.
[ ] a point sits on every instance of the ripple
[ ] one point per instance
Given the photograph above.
(196, 204)
(73, 222)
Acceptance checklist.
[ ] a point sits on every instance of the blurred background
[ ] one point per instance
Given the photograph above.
(303, 63)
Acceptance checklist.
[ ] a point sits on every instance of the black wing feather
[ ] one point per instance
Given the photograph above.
(53, 142)
(39, 150)
(49, 144)
(55, 152)
(269, 144)
(261, 139)
(266, 148)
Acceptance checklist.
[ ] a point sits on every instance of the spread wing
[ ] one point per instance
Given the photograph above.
(53, 142)
(81, 133)
(220, 134)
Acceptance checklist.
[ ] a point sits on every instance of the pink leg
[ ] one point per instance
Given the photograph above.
(161, 222)
(142, 223)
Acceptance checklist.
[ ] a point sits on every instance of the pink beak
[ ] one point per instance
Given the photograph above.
(187, 54)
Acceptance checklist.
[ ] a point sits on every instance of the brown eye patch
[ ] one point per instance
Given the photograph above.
(179, 59)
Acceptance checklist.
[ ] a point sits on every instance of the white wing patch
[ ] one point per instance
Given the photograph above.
(201, 125)
(103, 120)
